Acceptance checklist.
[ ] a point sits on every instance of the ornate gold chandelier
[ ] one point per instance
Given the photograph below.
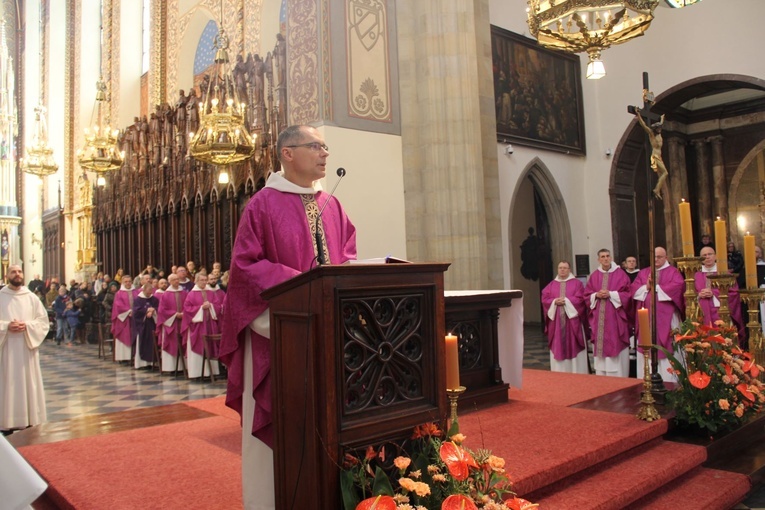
(101, 152)
(222, 138)
(590, 26)
(39, 160)
(677, 4)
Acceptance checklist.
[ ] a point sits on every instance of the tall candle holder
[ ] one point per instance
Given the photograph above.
(689, 266)
(454, 395)
(723, 282)
(753, 298)
(647, 410)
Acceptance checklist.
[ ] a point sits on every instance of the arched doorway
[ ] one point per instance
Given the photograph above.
(537, 204)
(711, 124)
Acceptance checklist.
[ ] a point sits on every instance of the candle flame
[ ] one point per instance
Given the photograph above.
(682, 199)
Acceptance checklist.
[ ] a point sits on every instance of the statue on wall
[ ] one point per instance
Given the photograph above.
(192, 111)
(180, 115)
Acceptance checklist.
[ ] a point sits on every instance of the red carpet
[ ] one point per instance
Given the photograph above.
(542, 444)
(562, 457)
(190, 464)
(561, 389)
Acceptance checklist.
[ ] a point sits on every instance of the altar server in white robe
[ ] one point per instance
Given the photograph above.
(23, 326)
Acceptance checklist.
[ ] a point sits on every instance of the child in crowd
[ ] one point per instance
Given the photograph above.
(72, 315)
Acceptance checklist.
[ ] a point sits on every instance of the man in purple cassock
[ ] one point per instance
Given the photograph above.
(709, 298)
(670, 306)
(201, 312)
(564, 304)
(186, 283)
(122, 322)
(145, 322)
(608, 297)
(169, 317)
(275, 242)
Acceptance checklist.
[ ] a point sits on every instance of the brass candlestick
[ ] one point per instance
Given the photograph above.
(689, 266)
(723, 282)
(647, 410)
(753, 298)
(454, 395)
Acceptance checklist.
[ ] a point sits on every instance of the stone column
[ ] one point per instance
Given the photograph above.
(678, 185)
(449, 139)
(720, 183)
(706, 215)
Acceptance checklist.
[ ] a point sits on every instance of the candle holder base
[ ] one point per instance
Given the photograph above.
(454, 395)
(689, 266)
(753, 298)
(647, 410)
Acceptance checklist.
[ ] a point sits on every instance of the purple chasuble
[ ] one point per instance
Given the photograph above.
(195, 331)
(123, 330)
(565, 336)
(671, 282)
(170, 303)
(711, 312)
(608, 323)
(273, 244)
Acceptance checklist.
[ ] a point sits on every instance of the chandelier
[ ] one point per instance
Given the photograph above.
(39, 160)
(677, 4)
(101, 152)
(222, 138)
(590, 26)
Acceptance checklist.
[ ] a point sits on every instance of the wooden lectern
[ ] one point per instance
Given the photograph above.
(357, 358)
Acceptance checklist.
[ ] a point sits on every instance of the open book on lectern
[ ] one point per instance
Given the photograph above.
(379, 260)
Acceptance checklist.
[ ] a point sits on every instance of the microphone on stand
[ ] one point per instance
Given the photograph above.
(320, 258)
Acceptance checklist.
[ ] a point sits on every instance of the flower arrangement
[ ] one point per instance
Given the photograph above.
(717, 386)
(438, 474)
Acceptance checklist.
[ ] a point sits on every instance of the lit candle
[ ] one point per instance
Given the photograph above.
(644, 328)
(721, 246)
(452, 362)
(686, 228)
(750, 262)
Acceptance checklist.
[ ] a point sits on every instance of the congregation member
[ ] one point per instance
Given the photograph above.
(51, 295)
(565, 312)
(59, 307)
(607, 295)
(122, 323)
(270, 249)
(709, 297)
(706, 240)
(23, 327)
(201, 312)
(670, 307)
(161, 287)
(630, 267)
(183, 274)
(169, 318)
(144, 323)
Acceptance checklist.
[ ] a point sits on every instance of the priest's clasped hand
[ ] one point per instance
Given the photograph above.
(17, 326)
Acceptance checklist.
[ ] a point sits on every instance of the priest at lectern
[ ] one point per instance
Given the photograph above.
(276, 241)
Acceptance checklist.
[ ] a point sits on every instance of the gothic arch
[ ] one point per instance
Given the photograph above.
(734, 185)
(627, 190)
(552, 199)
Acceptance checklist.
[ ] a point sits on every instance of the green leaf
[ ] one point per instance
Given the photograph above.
(381, 484)
(347, 488)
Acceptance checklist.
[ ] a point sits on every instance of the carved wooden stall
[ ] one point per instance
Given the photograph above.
(163, 207)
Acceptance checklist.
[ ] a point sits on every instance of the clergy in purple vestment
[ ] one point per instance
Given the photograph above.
(565, 309)
(709, 298)
(122, 323)
(274, 243)
(169, 317)
(670, 306)
(183, 274)
(201, 312)
(608, 298)
(145, 322)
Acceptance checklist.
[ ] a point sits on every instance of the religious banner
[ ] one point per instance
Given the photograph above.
(537, 94)
(5, 247)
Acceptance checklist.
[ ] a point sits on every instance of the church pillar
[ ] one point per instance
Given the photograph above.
(678, 185)
(720, 183)
(449, 139)
(703, 186)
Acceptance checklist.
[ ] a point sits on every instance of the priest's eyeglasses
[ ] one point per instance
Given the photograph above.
(314, 146)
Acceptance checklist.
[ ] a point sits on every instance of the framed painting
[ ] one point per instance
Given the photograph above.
(537, 94)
